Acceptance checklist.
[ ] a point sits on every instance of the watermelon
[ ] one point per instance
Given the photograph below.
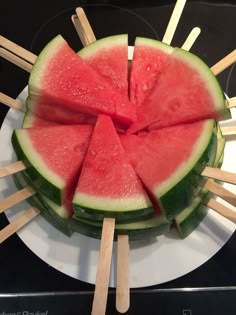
(171, 173)
(108, 184)
(33, 121)
(141, 230)
(192, 216)
(186, 91)
(63, 79)
(102, 56)
(58, 115)
(150, 57)
(58, 216)
(52, 161)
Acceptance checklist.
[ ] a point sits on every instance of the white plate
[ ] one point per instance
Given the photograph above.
(152, 262)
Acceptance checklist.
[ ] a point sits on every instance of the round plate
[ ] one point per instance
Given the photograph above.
(151, 261)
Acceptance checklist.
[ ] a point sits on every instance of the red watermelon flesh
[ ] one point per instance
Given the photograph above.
(186, 91)
(61, 78)
(56, 114)
(150, 56)
(162, 158)
(33, 121)
(107, 181)
(109, 56)
(56, 153)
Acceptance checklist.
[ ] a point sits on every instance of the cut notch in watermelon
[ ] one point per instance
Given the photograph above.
(108, 184)
(63, 79)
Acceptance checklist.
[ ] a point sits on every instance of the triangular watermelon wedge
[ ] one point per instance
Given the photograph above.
(186, 91)
(61, 78)
(53, 156)
(169, 161)
(149, 58)
(109, 57)
(108, 184)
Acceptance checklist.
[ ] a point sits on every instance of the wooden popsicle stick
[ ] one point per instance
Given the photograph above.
(219, 174)
(17, 50)
(231, 102)
(221, 192)
(15, 198)
(18, 223)
(83, 27)
(122, 278)
(103, 269)
(11, 102)
(15, 60)
(228, 131)
(224, 63)
(174, 20)
(190, 40)
(222, 210)
(12, 168)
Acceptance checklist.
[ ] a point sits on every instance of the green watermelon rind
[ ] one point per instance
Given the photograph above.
(50, 211)
(121, 215)
(40, 64)
(192, 216)
(107, 42)
(178, 194)
(141, 230)
(210, 80)
(49, 185)
(149, 42)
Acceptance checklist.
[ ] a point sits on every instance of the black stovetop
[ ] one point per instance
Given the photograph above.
(32, 25)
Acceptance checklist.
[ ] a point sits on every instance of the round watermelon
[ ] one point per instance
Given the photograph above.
(143, 176)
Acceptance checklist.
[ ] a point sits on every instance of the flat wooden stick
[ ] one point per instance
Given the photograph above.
(222, 210)
(174, 20)
(11, 102)
(228, 131)
(17, 224)
(15, 198)
(219, 174)
(12, 168)
(224, 63)
(231, 102)
(190, 40)
(122, 278)
(104, 266)
(15, 60)
(17, 50)
(221, 192)
(83, 27)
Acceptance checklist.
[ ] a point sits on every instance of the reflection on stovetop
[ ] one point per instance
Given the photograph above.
(19, 268)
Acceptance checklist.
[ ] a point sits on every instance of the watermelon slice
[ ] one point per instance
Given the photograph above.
(57, 216)
(53, 163)
(150, 56)
(141, 230)
(109, 56)
(63, 79)
(186, 91)
(108, 184)
(192, 216)
(169, 161)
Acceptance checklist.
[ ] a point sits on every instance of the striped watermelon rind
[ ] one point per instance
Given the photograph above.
(181, 189)
(56, 215)
(192, 216)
